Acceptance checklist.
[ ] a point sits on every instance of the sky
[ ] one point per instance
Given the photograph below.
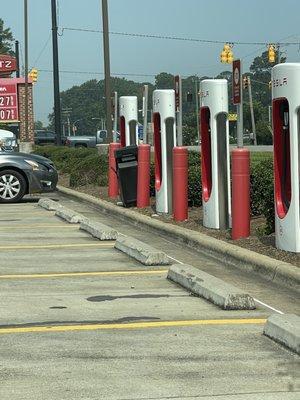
(81, 53)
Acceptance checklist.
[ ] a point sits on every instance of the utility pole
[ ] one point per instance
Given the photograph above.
(278, 53)
(26, 66)
(145, 113)
(178, 108)
(107, 70)
(197, 107)
(17, 54)
(240, 117)
(57, 116)
(115, 117)
(252, 111)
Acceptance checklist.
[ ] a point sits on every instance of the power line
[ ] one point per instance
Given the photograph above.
(126, 74)
(113, 73)
(178, 38)
(97, 73)
(43, 49)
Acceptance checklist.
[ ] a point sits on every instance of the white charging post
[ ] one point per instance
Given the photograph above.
(286, 130)
(215, 159)
(128, 120)
(164, 141)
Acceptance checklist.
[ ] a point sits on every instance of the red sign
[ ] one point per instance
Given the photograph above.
(177, 92)
(8, 102)
(8, 64)
(236, 81)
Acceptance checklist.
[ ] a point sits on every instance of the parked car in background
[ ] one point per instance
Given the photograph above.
(22, 174)
(87, 141)
(42, 137)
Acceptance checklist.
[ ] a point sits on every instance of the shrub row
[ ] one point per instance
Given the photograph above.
(86, 166)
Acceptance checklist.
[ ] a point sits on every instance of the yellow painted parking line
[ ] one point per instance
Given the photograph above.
(55, 246)
(133, 325)
(75, 274)
(30, 226)
(22, 213)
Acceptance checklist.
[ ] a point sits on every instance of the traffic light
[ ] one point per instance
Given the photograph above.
(226, 55)
(33, 74)
(270, 85)
(271, 53)
(245, 82)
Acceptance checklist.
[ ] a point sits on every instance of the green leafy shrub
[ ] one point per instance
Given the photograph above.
(262, 192)
(86, 166)
(90, 170)
(64, 158)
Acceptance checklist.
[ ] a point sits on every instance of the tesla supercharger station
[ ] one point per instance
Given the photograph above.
(128, 120)
(164, 141)
(286, 121)
(215, 158)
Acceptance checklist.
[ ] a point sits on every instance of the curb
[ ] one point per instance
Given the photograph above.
(98, 230)
(215, 290)
(284, 329)
(274, 270)
(142, 252)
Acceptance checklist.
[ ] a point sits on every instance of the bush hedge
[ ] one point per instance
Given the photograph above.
(262, 192)
(86, 166)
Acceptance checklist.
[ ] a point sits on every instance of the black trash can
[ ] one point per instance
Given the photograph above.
(126, 163)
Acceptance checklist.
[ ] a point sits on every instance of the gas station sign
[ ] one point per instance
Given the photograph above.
(236, 81)
(9, 111)
(8, 64)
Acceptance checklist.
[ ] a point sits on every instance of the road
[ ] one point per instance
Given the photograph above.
(81, 320)
(253, 149)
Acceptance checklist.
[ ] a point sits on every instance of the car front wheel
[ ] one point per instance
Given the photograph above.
(12, 186)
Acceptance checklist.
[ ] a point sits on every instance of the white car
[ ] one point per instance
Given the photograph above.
(8, 140)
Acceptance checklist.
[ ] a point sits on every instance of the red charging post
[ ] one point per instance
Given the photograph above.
(180, 183)
(113, 187)
(143, 176)
(240, 193)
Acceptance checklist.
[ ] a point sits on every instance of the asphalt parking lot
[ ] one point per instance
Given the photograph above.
(81, 320)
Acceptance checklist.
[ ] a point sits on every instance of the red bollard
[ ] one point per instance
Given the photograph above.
(113, 186)
(143, 176)
(240, 193)
(180, 183)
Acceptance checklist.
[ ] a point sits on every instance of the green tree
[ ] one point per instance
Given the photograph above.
(6, 39)
(38, 125)
(164, 81)
(87, 102)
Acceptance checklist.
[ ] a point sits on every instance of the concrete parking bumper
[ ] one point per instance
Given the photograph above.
(69, 215)
(98, 230)
(142, 252)
(271, 269)
(49, 204)
(212, 289)
(284, 329)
